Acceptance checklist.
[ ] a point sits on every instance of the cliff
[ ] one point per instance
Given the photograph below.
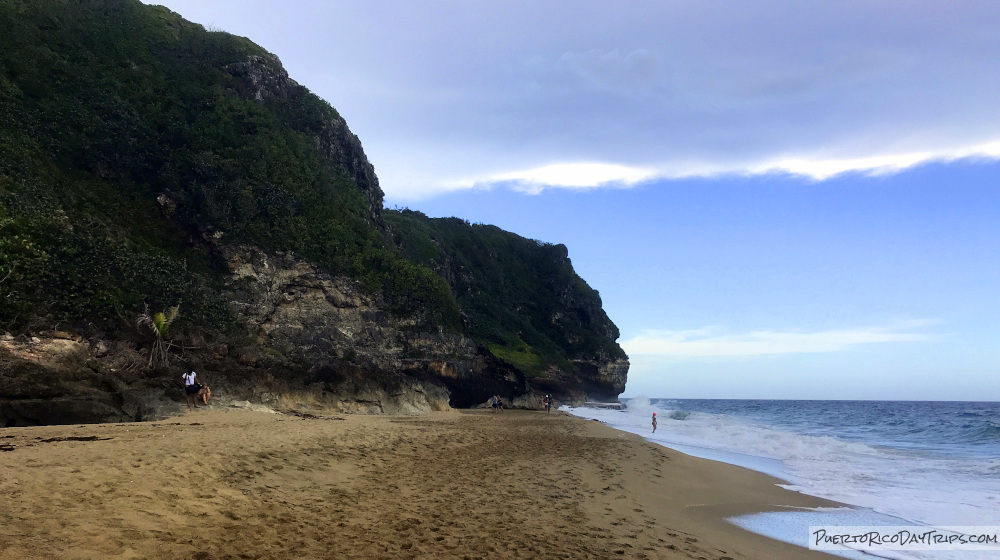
(147, 163)
(522, 299)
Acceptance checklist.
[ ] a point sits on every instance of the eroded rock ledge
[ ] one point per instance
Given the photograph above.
(315, 341)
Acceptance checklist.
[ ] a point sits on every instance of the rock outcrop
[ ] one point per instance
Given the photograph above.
(342, 335)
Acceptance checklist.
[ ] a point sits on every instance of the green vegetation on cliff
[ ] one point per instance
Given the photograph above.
(129, 136)
(521, 296)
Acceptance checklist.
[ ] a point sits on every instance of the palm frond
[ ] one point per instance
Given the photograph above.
(159, 324)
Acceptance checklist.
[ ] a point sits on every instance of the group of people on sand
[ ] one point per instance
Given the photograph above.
(497, 403)
(194, 390)
(547, 403)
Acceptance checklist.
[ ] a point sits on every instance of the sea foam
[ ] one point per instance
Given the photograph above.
(894, 461)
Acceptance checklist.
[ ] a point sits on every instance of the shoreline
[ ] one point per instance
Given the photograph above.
(229, 483)
(718, 491)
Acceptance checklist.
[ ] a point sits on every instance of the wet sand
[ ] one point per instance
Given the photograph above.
(230, 483)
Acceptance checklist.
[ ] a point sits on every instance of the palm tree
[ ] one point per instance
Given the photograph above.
(159, 323)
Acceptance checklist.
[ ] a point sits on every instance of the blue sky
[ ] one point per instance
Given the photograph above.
(775, 200)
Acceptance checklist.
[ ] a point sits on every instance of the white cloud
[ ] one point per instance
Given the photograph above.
(820, 168)
(564, 175)
(579, 176)
(714, 342)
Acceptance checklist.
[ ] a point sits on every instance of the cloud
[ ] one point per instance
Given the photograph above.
(564, 175)
(820, 168)
(714, 342)
(582, 176)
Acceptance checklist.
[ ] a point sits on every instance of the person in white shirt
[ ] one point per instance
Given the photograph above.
(191, 387)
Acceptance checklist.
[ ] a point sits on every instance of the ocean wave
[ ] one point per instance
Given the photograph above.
(915, 466)
(990, 430)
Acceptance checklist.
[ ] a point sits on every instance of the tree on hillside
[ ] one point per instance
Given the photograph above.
(159, 324)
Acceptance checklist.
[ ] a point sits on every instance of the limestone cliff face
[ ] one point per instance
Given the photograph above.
(602, 380)
(326, 321)
(346, 339)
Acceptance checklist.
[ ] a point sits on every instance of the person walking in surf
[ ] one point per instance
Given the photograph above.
(654, 422)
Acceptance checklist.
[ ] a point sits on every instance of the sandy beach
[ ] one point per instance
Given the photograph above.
(228, 483)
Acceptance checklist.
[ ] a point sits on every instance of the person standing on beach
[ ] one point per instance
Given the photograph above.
(191, 387)
(654, 422)
(548, 403)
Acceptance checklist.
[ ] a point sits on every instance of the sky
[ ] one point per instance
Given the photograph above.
(776, 199)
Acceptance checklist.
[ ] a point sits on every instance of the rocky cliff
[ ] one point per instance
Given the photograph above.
(522, 299)
(147, 163)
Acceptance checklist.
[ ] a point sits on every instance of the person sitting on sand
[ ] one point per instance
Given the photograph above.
(654, 422)
(191, 387)
(204, 393)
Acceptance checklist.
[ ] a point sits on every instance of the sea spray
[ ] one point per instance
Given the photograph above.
(640, 406)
